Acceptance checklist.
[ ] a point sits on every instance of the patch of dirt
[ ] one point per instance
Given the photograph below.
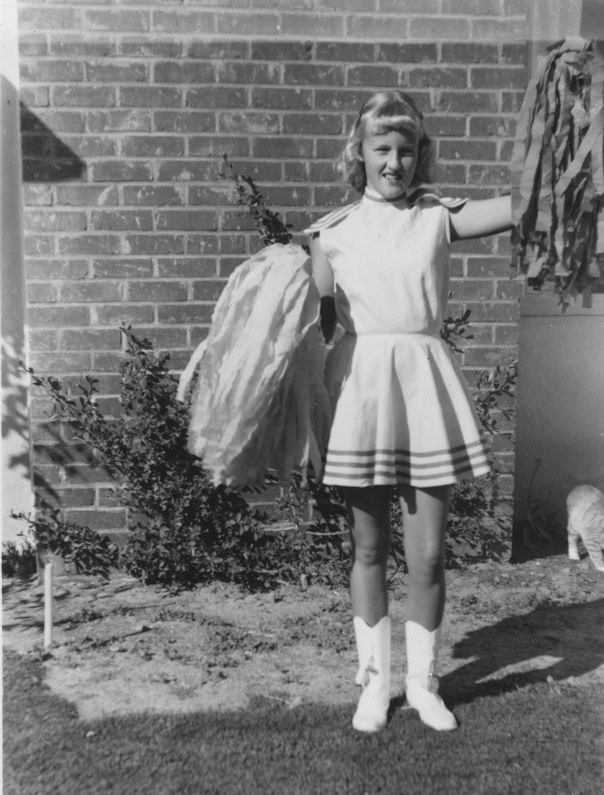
(120, 648)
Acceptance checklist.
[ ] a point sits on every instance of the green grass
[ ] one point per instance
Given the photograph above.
(542, 740)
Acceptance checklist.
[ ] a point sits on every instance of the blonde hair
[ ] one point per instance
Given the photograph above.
(382, 113)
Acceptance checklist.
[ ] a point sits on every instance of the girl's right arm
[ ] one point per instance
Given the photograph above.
(323, 276)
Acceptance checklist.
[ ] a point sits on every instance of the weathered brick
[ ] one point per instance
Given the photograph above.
(494, 312)
(184, 121)
(89, 146)
(183, 171)
(492, 175)
(445, 125)
(120, 171)
(185, 313)
(220, 49)
(495, 267)
(112, 19)
(216, 146)
(288, 195)
(118, 121)
(407, 53)
(501, 126)
(313, 74)
(152, 146)
(378, 26)
(153, 195)
(91, 47)
(437, 77)
(467, 150)
(89, 340)
(498, 77)
(83, 195)
(374, 75)
(57, 221)
(208, 289)
(215, 97)
(157, 291)
(154, 244)
(35, 96)
(88, 244)
(56, 269)
(353, 52)
(340, 100)
(37, 18)
(49, 70)
(469, 101)
(469, 52)
(83, 96)
(91, 291)
(46, 340)
(499, 29)
(122, 268)
(486, 357)
(312, 25)
(185, 219)
(39, 245)
(53, 120)
(281, 98)
(249, 123)
(42, 293)
(472, 289)
(115, 71)
(309, 124)
(214, 195)
(183, 72)
(508, 289)
(146, 47)
(245, 72)
(251, 24)
(282, 147)
(149, 96)
(59, 362)
(182, 267)
(471, 7)
(32, 44)
(237, 220)
(122, 314)
(447, 28)
(184, 21)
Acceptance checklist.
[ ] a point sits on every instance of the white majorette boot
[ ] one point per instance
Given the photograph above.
(373, 645)
(422, 683)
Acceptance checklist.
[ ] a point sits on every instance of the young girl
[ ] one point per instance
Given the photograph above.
(403, 415)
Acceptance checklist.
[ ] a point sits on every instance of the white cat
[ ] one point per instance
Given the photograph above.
(585, 506)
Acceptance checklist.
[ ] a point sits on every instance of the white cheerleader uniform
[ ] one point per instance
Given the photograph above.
(402, 410)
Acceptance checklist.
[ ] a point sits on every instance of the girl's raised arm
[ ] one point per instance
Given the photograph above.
(323, 276)
(482, 217)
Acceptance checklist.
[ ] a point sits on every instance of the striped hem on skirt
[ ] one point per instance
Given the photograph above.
(388, 467)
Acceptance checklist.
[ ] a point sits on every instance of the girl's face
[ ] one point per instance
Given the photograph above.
(390, 161)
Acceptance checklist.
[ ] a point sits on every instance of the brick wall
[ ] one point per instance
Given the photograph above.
(128, 108)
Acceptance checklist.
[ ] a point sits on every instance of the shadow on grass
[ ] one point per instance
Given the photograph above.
(568, 637)
(541, 740)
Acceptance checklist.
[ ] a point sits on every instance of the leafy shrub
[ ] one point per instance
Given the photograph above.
(18, 560)
(183, 529)
(88, 551)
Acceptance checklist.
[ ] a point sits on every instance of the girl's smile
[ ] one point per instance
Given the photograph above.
(390, 161)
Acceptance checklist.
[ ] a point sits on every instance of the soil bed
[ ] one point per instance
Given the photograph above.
(121, 648)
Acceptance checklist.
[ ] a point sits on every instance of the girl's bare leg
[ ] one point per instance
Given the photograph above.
(424, 523)
(369, 510)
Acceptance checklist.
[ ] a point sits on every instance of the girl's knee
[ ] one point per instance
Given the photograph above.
(429, 566)
(371, 555)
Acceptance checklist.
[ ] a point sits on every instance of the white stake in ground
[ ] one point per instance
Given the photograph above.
(47, 605)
